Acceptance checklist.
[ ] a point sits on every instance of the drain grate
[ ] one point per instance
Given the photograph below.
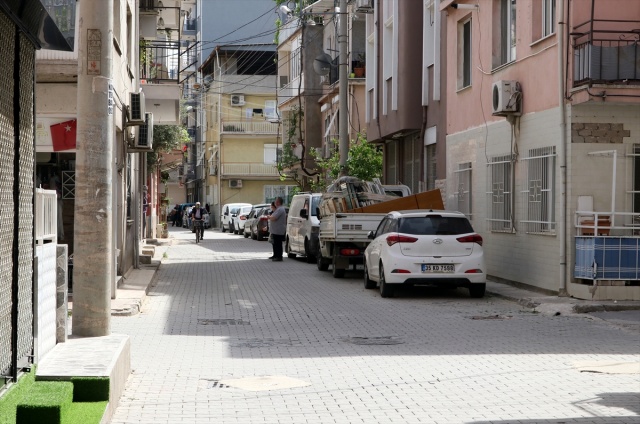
(254, 343)
(222, 321)
(491, 317)
(373, 340)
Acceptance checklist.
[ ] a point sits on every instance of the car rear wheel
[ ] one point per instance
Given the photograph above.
(223, 229)
(244, 233)
(368, 282)
(477, 290)
(385, 289)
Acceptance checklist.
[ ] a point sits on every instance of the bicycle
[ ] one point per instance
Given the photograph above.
(199, 229)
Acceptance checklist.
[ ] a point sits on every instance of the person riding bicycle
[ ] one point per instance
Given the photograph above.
(197, 215)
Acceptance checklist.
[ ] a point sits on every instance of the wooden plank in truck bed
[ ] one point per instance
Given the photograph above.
(426, 200)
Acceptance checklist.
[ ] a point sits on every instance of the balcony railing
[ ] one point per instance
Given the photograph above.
(46, 219)
(249, 127)
(249, 170)
(160, 61)
(606, 51)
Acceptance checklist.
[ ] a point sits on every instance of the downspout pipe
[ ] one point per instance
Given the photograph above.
(562, 290)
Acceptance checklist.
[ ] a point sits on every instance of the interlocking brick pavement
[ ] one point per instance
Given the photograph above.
(220, 310)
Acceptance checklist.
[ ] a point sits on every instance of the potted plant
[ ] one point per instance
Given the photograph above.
(359, 67)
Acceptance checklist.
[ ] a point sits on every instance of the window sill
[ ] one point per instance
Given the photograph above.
(460, 90)
(503, 66)
(540, 40)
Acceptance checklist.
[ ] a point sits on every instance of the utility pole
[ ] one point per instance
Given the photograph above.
(93, 234)
(343, 123)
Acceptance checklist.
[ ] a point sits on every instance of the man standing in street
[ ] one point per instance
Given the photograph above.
(277, 229)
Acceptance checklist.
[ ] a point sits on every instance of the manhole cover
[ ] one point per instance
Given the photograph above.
(253, 343)
(222, 321)
(491, 317)
(373, 340)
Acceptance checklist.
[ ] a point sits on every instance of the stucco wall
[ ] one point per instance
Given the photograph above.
(521, 257)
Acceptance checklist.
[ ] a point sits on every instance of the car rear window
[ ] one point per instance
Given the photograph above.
(435, 225)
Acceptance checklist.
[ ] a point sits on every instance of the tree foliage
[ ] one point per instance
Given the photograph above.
(165, 139)
(364, 161)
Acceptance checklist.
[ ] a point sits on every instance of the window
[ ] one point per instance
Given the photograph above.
(538, 195)
(507, 33)
(463, 188)
(464, 53)
(411, 162)
(499, 194)
(270, 109)
(431, 164)
(548, 17)
(272, 154)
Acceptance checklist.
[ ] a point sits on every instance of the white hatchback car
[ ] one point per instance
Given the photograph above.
(425, 247)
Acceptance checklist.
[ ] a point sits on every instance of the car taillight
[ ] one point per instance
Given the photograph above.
(472, 238)
(349, 252)
(242, 217)
(400, 271)
(264, 218)
(399, 238)
(473, 271)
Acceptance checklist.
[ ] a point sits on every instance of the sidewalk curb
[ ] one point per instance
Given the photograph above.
(138, 284)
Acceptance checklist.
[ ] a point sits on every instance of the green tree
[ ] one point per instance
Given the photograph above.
(165, 139)
(364, 161)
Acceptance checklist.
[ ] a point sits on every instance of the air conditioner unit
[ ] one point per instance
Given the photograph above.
(235, 183)
(364, 6)
(144, 135)
(136, 108)
(213, 170)
(506, 97)
(237, 100)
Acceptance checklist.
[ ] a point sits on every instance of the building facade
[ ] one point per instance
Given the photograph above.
(542, 133)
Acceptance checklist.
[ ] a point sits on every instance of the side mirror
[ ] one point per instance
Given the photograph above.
(371, 235)
(304, 214)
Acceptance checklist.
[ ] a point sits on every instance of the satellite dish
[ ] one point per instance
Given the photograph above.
(322, 64)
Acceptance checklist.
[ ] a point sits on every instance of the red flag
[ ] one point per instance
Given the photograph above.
(63, 135)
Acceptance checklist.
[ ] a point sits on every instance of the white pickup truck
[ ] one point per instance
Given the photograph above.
(343, 238)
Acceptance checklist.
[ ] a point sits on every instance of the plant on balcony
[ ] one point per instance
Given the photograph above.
(359, 66)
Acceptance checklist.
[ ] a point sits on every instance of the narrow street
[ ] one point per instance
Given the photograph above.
(329, 351)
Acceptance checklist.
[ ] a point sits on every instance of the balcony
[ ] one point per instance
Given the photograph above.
(606, 52)
(249, 127)
(248, 170)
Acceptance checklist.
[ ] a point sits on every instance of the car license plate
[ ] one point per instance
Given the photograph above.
(438, 268)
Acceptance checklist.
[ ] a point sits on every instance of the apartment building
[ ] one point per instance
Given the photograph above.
(543, 129)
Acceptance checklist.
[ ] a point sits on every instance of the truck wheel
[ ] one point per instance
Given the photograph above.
(368, 282)
(321, 263)
(223, 229)
(337, 272)
(385, 289)
(310, 257)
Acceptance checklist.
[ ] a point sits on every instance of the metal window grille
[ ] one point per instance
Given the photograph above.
(539, 195)
(463, 188)
(499, 217)
(634, 189)
(273, 191)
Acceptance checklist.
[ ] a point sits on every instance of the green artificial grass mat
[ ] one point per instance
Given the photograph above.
(9, 401)
(76, 413)
(86, 412)
(47, 403)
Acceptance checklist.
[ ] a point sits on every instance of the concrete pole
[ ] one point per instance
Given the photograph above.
(343, 123)
(93, 235)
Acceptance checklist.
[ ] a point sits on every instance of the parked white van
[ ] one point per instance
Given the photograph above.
(303, 226)
(229, 213)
